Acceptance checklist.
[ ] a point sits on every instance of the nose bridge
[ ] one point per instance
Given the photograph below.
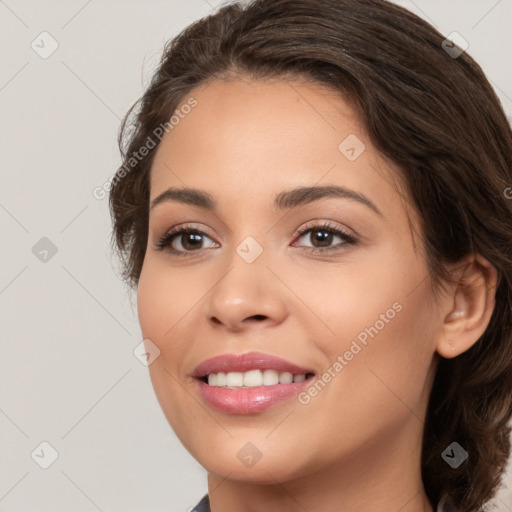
(243, 290)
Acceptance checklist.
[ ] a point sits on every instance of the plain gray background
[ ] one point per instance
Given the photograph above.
(68, 375)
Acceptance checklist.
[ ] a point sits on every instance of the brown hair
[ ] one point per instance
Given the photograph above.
(436, 117)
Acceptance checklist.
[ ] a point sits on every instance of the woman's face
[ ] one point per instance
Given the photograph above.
(358, 315)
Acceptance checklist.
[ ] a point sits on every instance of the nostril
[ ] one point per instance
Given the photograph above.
(259, 317)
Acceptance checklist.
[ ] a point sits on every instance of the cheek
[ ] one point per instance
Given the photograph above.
(346, 302)
(383, 333)
(390, 358)
(163, 303)
(165, 299)
(350, 296)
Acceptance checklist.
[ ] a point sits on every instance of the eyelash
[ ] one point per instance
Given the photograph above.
(169, 236)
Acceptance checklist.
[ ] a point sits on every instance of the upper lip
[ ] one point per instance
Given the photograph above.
(245, 362)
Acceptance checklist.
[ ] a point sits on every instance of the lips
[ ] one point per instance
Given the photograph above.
(253, 399)
(244, 362)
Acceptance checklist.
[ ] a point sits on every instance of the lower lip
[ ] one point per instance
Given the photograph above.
(249, 400)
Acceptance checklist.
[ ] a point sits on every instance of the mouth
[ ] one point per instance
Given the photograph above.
(249, 383)
(251, 369)
(253, 378)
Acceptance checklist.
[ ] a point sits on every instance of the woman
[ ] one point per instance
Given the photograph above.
(313, 209)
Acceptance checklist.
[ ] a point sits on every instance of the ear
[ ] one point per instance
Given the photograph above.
(468, 308)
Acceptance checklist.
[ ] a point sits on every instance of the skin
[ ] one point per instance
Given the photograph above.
(356, 445)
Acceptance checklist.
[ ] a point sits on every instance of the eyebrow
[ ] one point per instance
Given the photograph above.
(283, 201)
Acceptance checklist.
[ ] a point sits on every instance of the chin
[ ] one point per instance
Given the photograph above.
(244, 462)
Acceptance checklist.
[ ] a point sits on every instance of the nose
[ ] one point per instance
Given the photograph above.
(247, 294)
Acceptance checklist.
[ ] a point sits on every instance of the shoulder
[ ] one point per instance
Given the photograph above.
(203, 505)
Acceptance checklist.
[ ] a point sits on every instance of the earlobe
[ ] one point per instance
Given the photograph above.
(469, 307)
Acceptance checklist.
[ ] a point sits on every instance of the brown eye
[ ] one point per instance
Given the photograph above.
(188, 241)
(321, 237)
(182, 240)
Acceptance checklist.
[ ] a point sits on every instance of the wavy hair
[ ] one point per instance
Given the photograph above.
(435, 116)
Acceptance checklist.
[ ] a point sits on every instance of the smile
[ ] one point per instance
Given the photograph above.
(250, 382)
(253, 378)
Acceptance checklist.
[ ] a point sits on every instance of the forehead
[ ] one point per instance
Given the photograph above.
(249, 140)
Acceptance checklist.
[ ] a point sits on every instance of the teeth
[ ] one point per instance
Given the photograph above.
(253, 378)
(234, 379)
